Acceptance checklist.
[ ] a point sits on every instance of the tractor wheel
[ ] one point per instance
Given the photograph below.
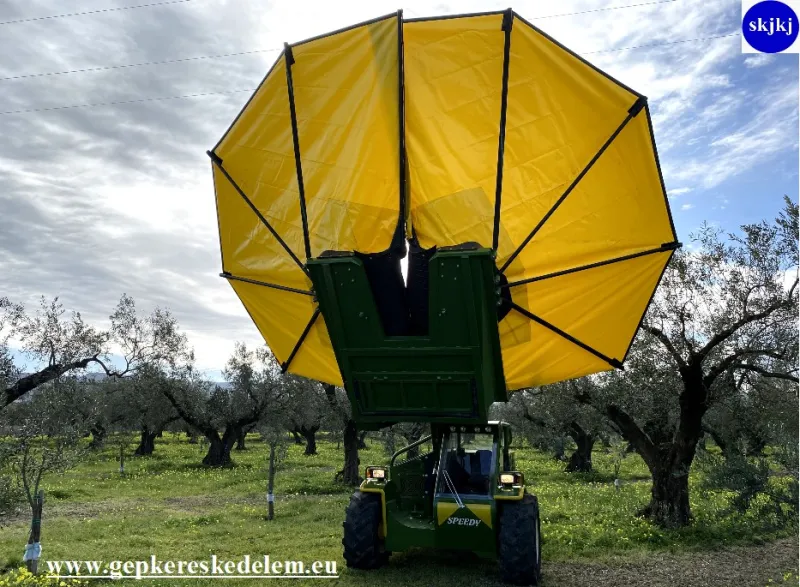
(363, 546)
(520, 551)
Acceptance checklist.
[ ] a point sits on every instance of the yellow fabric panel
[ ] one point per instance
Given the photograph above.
(248, 248)
(617, 209)
(316, 359)
(346, 98)
(453, 82)
(258, 153)
(560, 112)
(550, 358)
(602, 306)
(280, 317)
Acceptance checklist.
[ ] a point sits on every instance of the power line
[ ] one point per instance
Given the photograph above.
(143, 63)
(660, 44)
(254, 51)
(125, 102)
(223, 55)
(116, 9)
(602, 9)
(253, 89)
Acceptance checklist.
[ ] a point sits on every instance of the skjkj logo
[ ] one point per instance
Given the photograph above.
(770, 26)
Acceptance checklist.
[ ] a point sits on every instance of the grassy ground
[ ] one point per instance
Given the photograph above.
(170, 506)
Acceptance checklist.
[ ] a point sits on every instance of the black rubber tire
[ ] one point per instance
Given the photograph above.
(520, 550)
(363, 546)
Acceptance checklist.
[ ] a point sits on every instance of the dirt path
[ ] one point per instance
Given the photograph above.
(744, 566)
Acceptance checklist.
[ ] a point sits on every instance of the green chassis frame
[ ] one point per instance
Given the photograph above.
(450, 376)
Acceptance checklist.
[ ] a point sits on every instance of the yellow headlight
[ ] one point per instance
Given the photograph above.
(506, 478)
(376, 473)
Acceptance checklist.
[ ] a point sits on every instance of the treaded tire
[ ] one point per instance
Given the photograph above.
(363, 546)
(520, 552)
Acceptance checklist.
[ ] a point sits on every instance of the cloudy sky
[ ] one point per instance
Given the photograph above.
(105, 187)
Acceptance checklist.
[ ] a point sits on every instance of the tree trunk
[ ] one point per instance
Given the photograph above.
(361, 444)
(581, 459)
(271, 482)
(412, 434)
(558, 450)
(147, 442)
(349, 474)
(98, 436)
(219, 449)
(669, 502)
(32, 564)
(310, 434)
(240, 437)
(756, 444)
(297, 438)
(717, 438)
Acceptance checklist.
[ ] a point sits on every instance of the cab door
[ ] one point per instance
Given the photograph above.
(464, 511)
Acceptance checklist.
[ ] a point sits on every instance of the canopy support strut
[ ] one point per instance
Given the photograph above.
(289, 56)
(508, 20)
(662, 249)
(632, 112)
(306, 330)
(216, 160)
(230, 277)
(401, 109)
(613, 362)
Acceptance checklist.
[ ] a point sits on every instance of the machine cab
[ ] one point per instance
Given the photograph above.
(470, 462)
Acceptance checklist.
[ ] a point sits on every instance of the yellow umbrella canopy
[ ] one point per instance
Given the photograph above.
(475, 128)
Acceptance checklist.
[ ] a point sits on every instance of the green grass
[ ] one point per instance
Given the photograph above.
(170, 506)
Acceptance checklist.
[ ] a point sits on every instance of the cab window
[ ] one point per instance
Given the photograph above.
(466, 464)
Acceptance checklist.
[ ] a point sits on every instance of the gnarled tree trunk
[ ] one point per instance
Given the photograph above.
(240, 438)
(98, 436)
(669, 501)
(581, 460)
(349, 473)
(310, 434)
(147, 442)
(219, 448)
(558, 450)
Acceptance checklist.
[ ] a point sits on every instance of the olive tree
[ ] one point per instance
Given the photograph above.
(547, 415)
(63, 342)
(254, 386)
(309, 409)
(727, 308)
(41, 437)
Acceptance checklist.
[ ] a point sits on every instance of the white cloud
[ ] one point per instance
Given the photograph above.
(678, 192)
(745, 143)
(687, 206)
(759, 60)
